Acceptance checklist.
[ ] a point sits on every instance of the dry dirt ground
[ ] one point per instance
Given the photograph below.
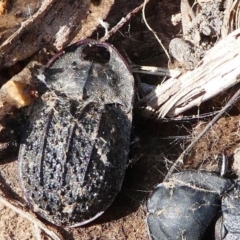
(158, 143)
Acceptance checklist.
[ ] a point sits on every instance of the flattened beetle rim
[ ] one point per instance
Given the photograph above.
(87, 42)
(31, 203)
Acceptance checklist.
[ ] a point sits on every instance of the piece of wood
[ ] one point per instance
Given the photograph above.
(55, 23)
(231, 19)
(17, 92)
(216, 72)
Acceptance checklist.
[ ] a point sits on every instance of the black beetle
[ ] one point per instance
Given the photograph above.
(230, 222)
(184, 206)
(74, 153)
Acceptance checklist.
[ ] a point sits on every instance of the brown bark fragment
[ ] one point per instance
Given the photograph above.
(58, 20)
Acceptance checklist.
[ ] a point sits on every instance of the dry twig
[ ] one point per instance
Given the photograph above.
(158, 71)
(14, 206)
(122, 22)
(184, 154)
(154, 33)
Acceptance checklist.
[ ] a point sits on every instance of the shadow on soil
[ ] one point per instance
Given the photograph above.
(149, 157)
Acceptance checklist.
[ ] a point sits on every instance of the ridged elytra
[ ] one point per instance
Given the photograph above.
(74, 151)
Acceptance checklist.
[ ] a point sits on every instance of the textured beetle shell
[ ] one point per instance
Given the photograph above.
(185, 206)
(231, 214)
(74, 153)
